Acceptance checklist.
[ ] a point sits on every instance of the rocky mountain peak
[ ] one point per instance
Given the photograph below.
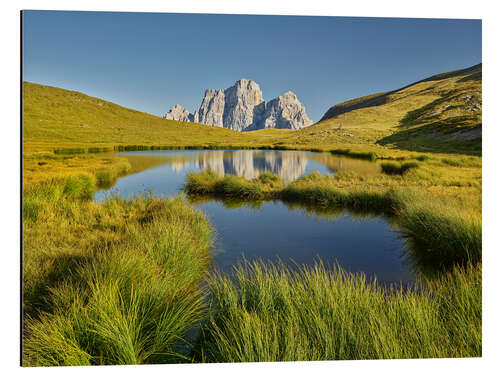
(179, 113)
(244, 82)
(289, 95)
(242, 107)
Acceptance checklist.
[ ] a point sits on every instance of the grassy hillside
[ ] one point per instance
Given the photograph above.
(442, 112)
(58, 118)
(439, 114)
(54, 116)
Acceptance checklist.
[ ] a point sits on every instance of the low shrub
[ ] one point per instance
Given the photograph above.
(395, 168)
(422, 157)
(359, 155)
(451, 162)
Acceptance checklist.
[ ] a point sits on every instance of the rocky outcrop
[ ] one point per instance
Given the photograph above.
(179, 113)
(241, 107)
(286, 112)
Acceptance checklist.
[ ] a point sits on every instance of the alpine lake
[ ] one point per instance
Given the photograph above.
(276, 231)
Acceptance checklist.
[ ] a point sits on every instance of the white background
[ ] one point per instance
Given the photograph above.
(10, 181)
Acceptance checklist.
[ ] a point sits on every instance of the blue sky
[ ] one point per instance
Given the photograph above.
(151, 61)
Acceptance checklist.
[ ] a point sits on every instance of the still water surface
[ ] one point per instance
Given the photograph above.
(275, 230)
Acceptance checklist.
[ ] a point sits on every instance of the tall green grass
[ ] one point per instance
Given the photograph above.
(112, 283)
(440, 233)
(40, 196)
(106, 177)
(268, 313)
(208, 182)
(312, 189)
(119, 282)
(321, 190)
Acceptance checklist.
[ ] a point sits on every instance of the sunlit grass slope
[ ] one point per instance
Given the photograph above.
(442, 112)
(439, 114)
(56, 116)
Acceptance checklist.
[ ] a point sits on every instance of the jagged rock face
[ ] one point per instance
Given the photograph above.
(244, 105)
(286, 112)
(241, 107)
(179, 113)
(212, 108)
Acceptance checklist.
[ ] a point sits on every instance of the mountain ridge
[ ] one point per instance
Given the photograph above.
(242, 107)
(381, 97)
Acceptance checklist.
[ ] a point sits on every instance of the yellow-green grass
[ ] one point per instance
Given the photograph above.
(440, 232)
(43, 166)
(111, 283)
(269, 313)
(462, 181)
(81, 259)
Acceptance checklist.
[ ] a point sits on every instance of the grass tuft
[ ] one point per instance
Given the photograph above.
(372, 156)
(440, 233)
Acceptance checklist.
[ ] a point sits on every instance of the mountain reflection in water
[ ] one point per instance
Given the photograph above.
(250, 164)
(288, 165)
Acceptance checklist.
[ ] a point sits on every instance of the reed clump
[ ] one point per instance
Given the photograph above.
(208, 182)
(441, 232)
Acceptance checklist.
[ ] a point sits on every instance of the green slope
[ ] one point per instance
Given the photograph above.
(442, 112)
(56, 116)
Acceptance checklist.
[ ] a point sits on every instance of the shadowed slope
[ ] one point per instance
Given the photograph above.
(472, 73)
(439, 113)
